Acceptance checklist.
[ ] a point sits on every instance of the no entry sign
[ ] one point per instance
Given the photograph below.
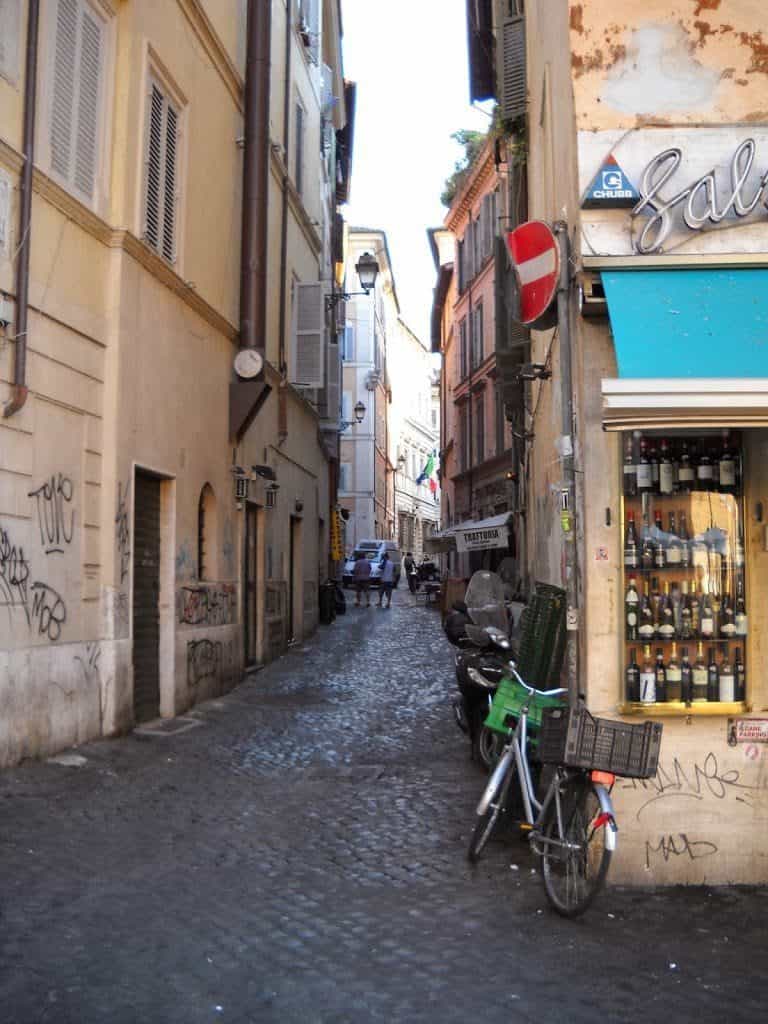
(535, 256)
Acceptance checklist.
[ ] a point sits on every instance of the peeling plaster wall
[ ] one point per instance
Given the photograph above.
(685, 62)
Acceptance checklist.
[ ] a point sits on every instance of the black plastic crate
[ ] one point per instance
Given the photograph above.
(572, 736)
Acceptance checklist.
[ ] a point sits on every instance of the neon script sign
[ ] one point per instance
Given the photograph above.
(699, 201)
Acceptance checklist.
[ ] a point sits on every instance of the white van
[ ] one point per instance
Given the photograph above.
(373, 551)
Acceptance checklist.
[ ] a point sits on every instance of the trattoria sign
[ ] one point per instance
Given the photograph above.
(482, 538)
(707, 200)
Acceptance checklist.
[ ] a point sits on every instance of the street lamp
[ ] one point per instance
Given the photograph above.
(359, 415)
(367, 270)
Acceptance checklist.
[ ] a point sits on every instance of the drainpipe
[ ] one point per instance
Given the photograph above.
(568, 488)
(253, 268)
(283, 363)
(19, 387)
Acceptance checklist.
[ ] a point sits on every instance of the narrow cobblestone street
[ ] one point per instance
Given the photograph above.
(297, 855)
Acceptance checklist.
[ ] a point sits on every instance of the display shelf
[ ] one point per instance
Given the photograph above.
(676, 708)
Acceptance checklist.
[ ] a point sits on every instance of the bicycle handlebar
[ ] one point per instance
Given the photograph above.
(532, 689)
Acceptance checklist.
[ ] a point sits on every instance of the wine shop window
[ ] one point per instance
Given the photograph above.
(685, 589)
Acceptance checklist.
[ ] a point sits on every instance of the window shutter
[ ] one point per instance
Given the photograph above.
(152, 227)
(63, 101)
(169, 184)
(86, 137)
(309, 335)
(333, 387)
(513, 84)
(9, 39)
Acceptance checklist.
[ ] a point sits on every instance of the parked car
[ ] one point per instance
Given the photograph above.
(373, 550)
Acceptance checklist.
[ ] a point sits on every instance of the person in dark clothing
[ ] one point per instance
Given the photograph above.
(409, 565)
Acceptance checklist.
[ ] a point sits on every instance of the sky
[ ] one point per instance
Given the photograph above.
(409, 60)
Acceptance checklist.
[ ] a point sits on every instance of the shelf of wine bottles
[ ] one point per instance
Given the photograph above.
(685, 601)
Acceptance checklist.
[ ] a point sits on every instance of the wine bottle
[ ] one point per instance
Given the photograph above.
(630, 543)
(653, 458)
(666, 630)
(707, 617)
(630, 469)
(686, 478)
(647, 679)
(647, 550)
(646, 628)
(685, 541)
(727, 618)
(740, 672)
(660, 674)
(704, 470)
(740, 612)
(674, 676)
(674, 544)
(727, 464)
(633, 678)
(659, 550)
(686, 613)
(699, 675)
(713, 678)
(686, 678)
(666, 469)
(726, 679)
(655, 601)
(631, 605)
(644, 473)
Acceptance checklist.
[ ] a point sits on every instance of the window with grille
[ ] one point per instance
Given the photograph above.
(161, 188)
(76, 89)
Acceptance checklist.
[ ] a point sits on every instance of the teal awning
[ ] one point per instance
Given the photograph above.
(689, 323)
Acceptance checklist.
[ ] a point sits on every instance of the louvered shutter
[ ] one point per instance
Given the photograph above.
(9, 39)
(309, 335)
(161, 174)
(333, 387)
(63, 100)
(89, 75)
(513, 97)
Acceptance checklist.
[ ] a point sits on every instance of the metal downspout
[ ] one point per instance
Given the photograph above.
(19, 388)
(568, 492)
(253, 265)
(283, 364)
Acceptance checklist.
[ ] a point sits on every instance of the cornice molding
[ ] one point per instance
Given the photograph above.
(209, 40)
(475, 184)
(10, 158)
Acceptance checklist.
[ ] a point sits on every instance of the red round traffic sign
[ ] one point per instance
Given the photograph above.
(535, 256)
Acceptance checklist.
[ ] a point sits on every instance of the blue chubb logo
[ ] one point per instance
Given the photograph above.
(610, 187)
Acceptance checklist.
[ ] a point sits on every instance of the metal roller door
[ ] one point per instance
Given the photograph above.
(146, 599)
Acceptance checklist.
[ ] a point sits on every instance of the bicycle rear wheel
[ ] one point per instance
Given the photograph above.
(489, 819)
(575, 874)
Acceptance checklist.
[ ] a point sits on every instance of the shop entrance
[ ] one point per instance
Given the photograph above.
(146, 598)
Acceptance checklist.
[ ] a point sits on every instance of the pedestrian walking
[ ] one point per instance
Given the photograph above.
(386, 580)
(409, 565)
(362, 576)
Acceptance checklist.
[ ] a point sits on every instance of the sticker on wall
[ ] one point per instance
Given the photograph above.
(610, 187)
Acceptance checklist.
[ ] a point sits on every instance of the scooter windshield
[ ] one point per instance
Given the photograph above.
(485, 600)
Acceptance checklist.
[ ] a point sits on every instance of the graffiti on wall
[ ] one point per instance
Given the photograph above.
(123, 530)
(89, 665)
(212, 604)
(210, 662)
(43, 607)
(55, 516)
(703, 779)
(678, 845)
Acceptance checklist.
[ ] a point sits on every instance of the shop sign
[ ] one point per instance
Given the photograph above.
(706, 200)
(748, 730)
(610, 187)
(480, 540)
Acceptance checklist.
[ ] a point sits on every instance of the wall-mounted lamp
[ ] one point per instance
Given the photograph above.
(298, 505)
(367, 270)
(359, 411)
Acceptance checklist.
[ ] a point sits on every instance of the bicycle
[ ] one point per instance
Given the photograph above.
(573, 828)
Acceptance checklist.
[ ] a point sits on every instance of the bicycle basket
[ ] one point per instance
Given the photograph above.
(507, 702)
(572, 736)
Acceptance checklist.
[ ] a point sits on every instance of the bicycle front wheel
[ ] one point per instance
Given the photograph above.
(489, 819)
(575, 864)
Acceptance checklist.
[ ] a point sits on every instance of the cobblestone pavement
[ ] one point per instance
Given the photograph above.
(298, 856)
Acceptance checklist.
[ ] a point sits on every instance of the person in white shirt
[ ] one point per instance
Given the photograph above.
(386, 580)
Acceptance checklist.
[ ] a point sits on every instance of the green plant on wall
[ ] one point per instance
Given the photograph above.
(472, 142)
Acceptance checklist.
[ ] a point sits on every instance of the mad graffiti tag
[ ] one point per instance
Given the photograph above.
(679, 846)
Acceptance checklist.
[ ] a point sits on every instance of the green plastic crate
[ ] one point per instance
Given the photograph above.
(509, 698)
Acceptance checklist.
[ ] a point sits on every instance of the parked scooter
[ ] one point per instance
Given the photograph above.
(427, 571)
(480, 628)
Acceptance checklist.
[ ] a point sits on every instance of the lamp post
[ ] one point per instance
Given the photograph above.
(359, 411)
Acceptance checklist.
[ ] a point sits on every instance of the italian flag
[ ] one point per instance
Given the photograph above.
(429, 474)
